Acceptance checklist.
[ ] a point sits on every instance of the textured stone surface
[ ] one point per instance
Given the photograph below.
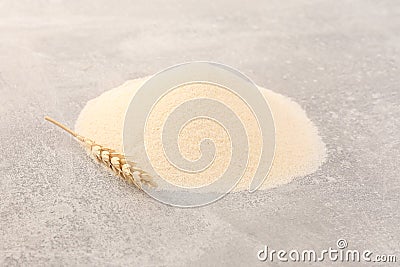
(338, 59)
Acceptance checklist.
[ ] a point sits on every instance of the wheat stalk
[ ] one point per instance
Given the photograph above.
(111, 159)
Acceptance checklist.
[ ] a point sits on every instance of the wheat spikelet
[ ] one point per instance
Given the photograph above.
(112, 159)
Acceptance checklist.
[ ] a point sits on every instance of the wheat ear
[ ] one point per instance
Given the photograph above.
(112, 159)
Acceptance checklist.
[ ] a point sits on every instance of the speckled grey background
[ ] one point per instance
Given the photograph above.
(338, 59)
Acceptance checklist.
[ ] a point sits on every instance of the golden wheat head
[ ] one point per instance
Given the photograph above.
(112, 159)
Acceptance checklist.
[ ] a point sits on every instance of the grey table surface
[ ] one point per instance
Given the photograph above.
(338, 59)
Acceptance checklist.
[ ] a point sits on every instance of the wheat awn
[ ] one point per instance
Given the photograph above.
(112, 159)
